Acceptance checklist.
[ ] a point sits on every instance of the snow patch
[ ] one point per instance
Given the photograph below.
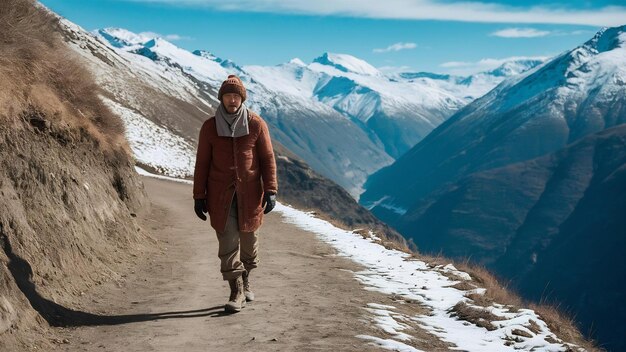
(143, 172)
(389, 344)
(153, 145)
(395, 273)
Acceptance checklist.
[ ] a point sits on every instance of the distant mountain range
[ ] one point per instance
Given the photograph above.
(340, 114)
(394, 110)
(530, 180)
(163, 108)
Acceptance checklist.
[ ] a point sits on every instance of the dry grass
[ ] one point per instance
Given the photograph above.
(496, 291)
(477, 316)
(533, 326)
(463, 286)
(520, 332)
(558, 322)
(563, 325)
(41, 78)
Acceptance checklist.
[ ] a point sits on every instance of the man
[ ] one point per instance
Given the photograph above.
(235, 181)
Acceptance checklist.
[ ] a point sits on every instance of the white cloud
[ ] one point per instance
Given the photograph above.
(396, 47)
(578, 32)
(464, 68)
(170, 37)
(520, 33)
(464, 11)
(174, 37)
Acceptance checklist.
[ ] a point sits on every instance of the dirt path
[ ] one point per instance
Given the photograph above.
(307, 298)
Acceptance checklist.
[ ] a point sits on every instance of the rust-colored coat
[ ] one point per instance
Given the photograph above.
(225, 165)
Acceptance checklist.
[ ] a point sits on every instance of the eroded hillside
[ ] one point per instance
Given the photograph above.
(68, 191)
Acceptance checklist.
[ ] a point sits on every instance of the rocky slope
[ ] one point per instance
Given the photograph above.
(68, 190)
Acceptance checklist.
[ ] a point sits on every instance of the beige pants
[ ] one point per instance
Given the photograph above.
(237, 250)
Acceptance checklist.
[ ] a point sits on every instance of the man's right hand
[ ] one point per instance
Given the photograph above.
(199, 207)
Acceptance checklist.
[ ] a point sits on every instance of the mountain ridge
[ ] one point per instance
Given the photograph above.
(508, 181)
(390, 126)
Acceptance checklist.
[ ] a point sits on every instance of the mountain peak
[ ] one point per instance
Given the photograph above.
(120, 37)
(347, 63)
(516, 67)
(608, 39)
(297, 61)
(158, 42)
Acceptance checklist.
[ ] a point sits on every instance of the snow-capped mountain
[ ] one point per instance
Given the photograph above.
(579, 92)
(138, 88)
(469, 88)
(203, 67)
(340, 114)
(397, 111)
(526, 178)
(163, 106)
(130, 66)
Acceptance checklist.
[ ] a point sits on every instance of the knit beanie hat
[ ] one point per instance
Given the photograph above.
(232, 84)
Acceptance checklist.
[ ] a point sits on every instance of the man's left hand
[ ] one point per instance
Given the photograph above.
(269, 202)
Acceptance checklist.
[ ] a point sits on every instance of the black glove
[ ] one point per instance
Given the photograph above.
(199, 207)
(269, 202)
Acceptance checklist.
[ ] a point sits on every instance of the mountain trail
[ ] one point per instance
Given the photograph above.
(172, 300)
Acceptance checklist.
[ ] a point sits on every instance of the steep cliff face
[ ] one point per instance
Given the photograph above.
(553, 226)
(68, 190)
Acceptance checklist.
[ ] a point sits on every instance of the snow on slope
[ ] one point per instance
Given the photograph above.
(396, 92)
(156, 49)
(348, 63)
(292, 78)
(395, 273)
(392, 272)
(155, 146)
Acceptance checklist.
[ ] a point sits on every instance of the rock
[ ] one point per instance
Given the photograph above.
(40, 123)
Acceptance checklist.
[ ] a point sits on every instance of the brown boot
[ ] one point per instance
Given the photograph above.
(246, 287)
(237, 299)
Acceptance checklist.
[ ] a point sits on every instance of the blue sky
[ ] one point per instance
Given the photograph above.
(410, 35)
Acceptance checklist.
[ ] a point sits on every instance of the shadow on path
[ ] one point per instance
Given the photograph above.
(57, 315)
